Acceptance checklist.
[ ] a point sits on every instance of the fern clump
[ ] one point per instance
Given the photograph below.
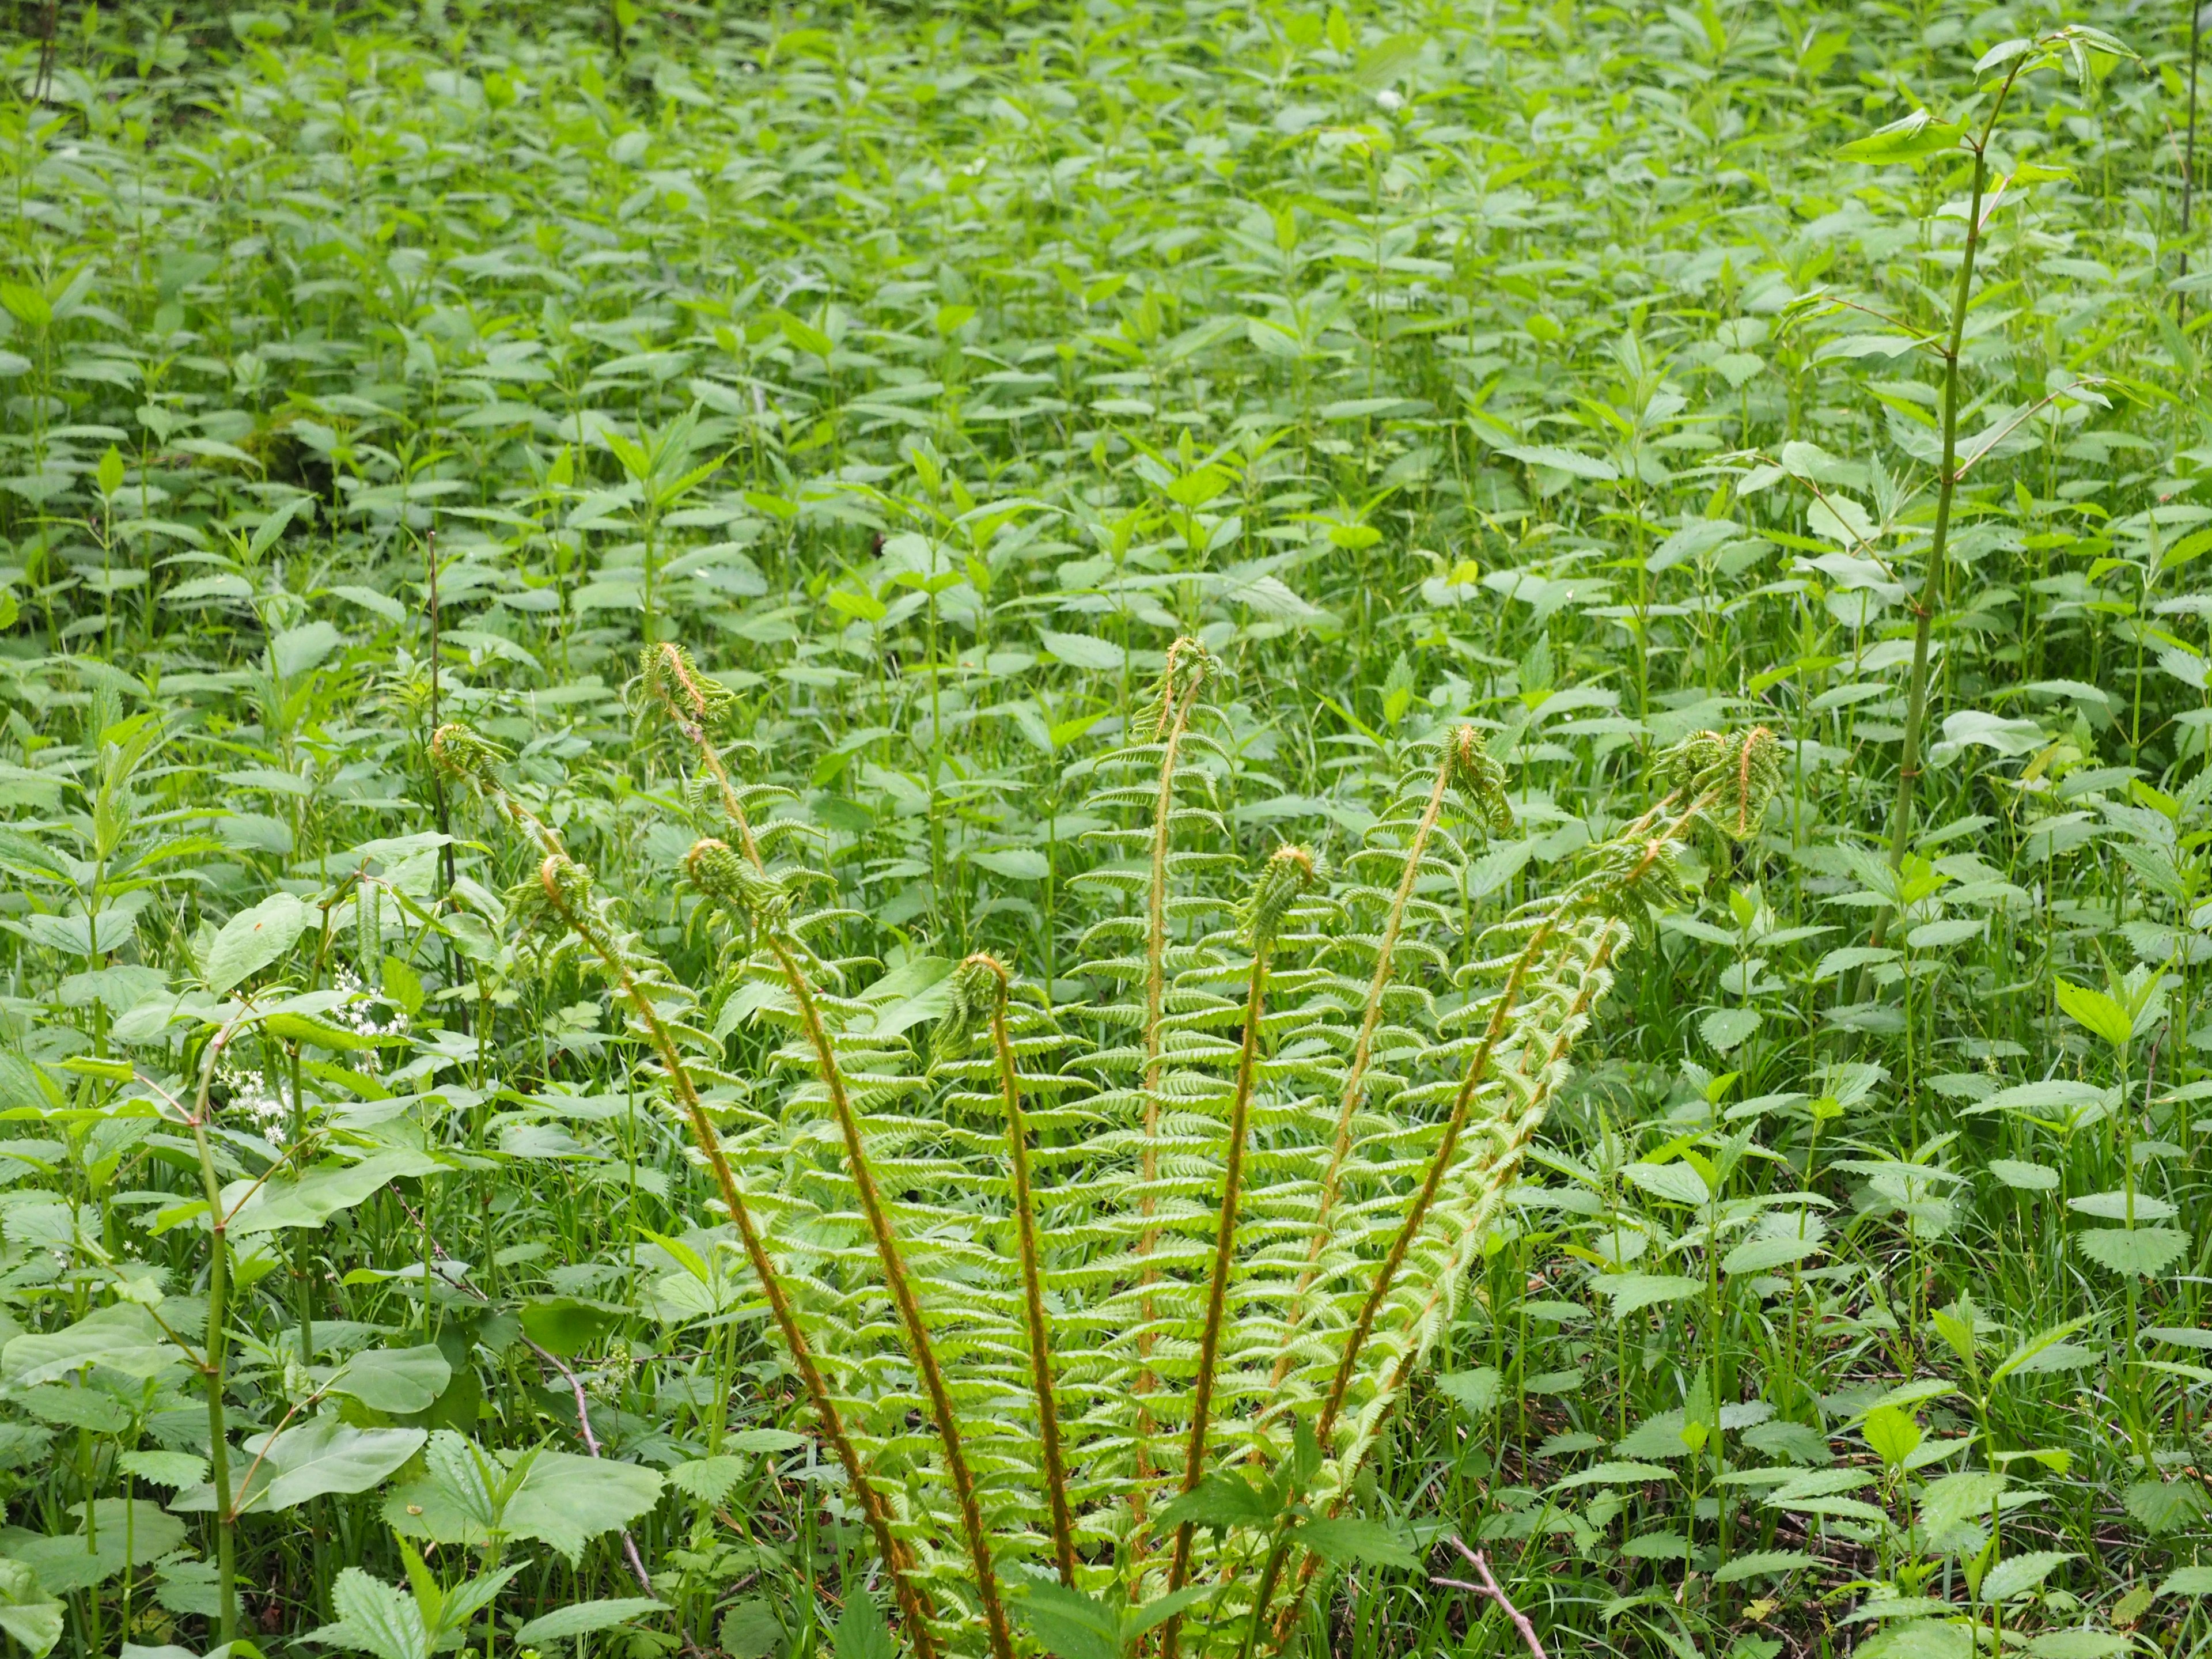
(1113, 1298)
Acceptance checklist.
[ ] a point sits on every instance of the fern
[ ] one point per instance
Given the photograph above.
(1098, 1299)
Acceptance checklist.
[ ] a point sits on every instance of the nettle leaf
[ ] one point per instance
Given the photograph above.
(2017, 1575)
(1068, 1623)
(1474, 1392)
(862, 1631)
(2142, 1251)
(1630, 1293)
(1348, 1542)
(2160, 1507)
(1675, 1183)
(373, 1617)
(1221, 1501)
(1915, 137)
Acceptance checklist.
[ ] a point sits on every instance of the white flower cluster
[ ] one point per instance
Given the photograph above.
(251, 1097)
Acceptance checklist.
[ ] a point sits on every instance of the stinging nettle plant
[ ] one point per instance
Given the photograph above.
(1101, 1306)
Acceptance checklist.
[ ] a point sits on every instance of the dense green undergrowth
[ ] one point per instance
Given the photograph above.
(926, 372)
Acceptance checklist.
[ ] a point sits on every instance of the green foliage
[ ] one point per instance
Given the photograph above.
(1112, 1035)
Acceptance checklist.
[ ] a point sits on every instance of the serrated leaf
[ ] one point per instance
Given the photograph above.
(2142, 1251)
(582, 1618)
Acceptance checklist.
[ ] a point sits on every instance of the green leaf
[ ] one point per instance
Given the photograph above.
(2143, 1251)
(565, 1325)
(1066, 1623)
(1017, 863)
(1612, 1474)
(1568, 461)
(399, 1380)
(2095, 1012)
(323, 1191)
(28, 1614)
(1919, 1638)
(1220, 1501)
(252, 939)
(1080, 651)
(751, 1630)
(1728, 1028)
(2017, 1575)
(710, 1479)
(2187, 1581)
(325, 1455)
(2160, 1507)
(567, 1501)
(122, 1334)
(373, 1617)
(1632, 1293)
(862, 1631)
(1761, 1564)
(1350, 1541)
(1674, 1183)
(582, 1618)
(1764, 1255)
(1473, 1392)
(1915, 137)
(1892, 1433)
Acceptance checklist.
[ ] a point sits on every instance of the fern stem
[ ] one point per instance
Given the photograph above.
(1431, 1182)
(1498, 1178)
(924, 1352)
(1155, 950)
(913, 1608)
(1177, 716)
(1216, 1291)
(1355, 1078)
(672, 682)
(1017, 1138)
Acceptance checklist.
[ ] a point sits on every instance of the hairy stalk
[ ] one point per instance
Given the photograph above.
(462, 751)
(1499, 1175)
(1188, 666)
(922, 1351)
(1440, 1165)
(1177, 716)
(691, 699)
(1929, 600)
(1355, 1077)
(912, 1605)
(1217, 1290)
(1033, 1311)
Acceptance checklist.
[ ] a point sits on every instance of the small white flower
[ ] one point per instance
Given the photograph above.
(1389, 100)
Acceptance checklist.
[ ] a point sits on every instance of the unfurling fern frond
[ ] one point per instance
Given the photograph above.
(1055, 1272)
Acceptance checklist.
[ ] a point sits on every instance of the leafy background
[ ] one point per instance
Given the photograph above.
(927, 370)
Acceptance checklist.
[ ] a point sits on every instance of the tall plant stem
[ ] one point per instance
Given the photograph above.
(922, 1351)
(1355, 1078)
(1217, 1289)
(2189, 146)
(913, 1607)
(1929, 600)
(213, 1364)
(1018, 1155)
